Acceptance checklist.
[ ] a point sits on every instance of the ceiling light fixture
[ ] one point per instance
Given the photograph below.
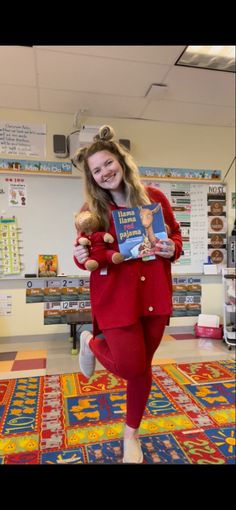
(218, 58)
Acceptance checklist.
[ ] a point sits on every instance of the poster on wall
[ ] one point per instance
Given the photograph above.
(61, 296)
(17, 194)
(23, 139)
(187, 293)
(200, 210)
(180, 201)
(5, 305)
(189, 204)
(217, 225)
(9, 247)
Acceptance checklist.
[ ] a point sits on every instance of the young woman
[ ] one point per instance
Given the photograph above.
(131, 302)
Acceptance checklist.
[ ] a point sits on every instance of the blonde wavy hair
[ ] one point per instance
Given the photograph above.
(98, 199)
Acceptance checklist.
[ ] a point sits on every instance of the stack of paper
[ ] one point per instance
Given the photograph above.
(210, 268)
(210, 321)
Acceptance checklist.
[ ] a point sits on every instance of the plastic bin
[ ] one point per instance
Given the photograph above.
(207, 332)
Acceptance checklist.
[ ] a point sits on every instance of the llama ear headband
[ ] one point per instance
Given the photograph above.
(105, 134)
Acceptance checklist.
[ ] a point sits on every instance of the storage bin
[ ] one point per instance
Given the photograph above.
(207, 332)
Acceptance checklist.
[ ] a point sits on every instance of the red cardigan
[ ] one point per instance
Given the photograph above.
(134, 288)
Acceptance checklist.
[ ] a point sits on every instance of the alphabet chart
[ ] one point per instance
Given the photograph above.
(9, 245)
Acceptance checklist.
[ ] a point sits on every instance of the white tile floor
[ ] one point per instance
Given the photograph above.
(61, 361)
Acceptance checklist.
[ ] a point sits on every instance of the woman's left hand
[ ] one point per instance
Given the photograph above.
(165, 248)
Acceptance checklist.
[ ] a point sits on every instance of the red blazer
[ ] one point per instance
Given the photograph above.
(134, 288)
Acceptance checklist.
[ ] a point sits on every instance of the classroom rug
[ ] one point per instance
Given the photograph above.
(65, 419)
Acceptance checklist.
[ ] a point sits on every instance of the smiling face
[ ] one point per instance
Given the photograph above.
(106, 170)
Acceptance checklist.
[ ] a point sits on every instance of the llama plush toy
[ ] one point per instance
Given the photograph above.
(88, 235)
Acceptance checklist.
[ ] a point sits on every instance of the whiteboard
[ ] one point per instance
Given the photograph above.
(46, 222)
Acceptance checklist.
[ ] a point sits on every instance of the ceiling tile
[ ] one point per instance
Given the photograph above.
(154, 54)
(201, 86)
(113, 81)
(17, 66)
(95, 74)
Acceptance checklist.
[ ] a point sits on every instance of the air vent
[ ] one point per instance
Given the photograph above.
(156, 91)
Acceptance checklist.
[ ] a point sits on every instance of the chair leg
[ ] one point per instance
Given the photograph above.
(74, 349)
(71, 335)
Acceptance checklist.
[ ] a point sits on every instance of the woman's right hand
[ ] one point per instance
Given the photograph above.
(81, 253)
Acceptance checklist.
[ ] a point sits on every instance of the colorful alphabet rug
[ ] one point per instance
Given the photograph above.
(64, 419)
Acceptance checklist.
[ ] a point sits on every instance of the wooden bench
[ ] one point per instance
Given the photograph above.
(75, 319)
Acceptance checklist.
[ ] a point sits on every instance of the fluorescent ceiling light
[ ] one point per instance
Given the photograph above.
(219, 58)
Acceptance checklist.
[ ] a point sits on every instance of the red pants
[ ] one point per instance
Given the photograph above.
(127, 352)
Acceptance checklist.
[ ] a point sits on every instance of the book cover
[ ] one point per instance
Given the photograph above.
(47, 265)
(138, 229)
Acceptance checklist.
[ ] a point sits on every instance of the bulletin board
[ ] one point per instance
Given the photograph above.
(45, 219)
(200, 209)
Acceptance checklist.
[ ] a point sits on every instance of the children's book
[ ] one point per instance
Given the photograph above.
(138, 229)
(47, 265)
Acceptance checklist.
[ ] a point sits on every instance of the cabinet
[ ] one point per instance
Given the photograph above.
(229, 305)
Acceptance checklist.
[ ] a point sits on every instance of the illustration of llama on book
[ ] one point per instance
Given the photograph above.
(150, 238)
(138, 229)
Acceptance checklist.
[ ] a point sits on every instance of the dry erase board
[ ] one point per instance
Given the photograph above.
(45, 218)
(46, 222)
